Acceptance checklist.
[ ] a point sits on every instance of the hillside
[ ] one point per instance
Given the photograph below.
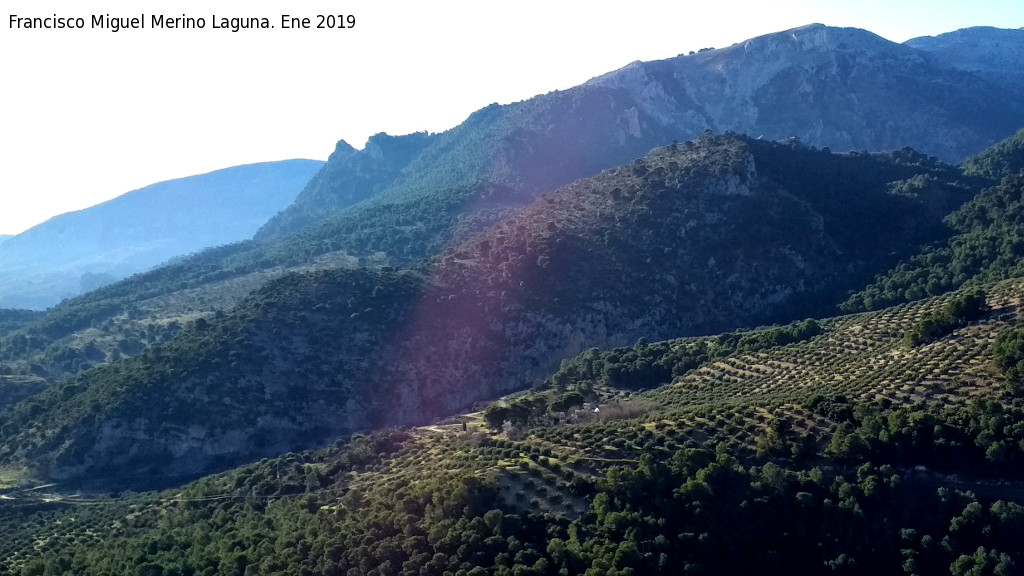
(1003, 159)
(11, 320)
(985, 242)
(693, 238)
(845, 451)
(79, 251)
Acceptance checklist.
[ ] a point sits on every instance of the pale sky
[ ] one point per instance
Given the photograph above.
(91, 114)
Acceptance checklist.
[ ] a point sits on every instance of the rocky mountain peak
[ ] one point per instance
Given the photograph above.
(820, 37)
(382, 144)
(845, 88)
(342, 150)
(813, 46)
(993, 53)
(349, 176)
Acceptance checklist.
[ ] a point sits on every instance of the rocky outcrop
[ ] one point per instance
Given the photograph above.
(349, 177)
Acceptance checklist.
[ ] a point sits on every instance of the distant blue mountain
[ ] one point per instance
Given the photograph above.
(82, 250)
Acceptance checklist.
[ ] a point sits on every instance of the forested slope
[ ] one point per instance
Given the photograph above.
(843, 451)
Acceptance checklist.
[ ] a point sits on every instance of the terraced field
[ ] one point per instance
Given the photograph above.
(862, 357)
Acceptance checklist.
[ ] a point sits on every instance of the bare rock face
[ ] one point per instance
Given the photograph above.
(995, 54)
(844, 88)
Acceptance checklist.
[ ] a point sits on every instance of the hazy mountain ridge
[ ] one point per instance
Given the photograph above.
(143, 228)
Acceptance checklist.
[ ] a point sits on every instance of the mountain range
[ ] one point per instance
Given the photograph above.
(536, 343)
(406, 198)
(694, 238)
(503, 274)
(845, 89)
(79, 251)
